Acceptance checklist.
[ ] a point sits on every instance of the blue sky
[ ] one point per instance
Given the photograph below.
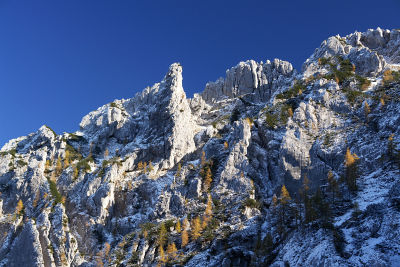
(60, 60)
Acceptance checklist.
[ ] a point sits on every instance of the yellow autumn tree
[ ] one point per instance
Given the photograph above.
(203, 158)
(171, 251)
(140, 165)
(367, 109)
(207, 180)
(285, 196)
(351, 173)
(208, 211)
(161, 254)
(274, 201)
(185, 238)
(226, 146)
(178, 227)
(196, 228)
(66, 159)
(20, 208)
(106, 153)
(178, 170)
(162, 235)
(58, 167)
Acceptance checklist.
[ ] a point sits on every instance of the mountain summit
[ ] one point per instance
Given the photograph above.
(268, 166)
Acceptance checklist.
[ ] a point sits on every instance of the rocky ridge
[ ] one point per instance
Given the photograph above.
(266, 167)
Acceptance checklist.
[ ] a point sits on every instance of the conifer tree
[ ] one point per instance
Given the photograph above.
(203, 159)
(20, 208)
(285, 196)
(140, 165)
(185, 238)
(47, 166)
(196, 228)
(66, 159)
(207, 180)
(76, 172)
(161, 254)
(171, 251)
(367, 109)
(208, 211)
(274, 201)
(58, 166)
(226, 145)
(162, 235)
(351, 161)
(178, 170)
(178, 227)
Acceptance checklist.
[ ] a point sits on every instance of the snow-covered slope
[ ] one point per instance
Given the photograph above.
(267, 166)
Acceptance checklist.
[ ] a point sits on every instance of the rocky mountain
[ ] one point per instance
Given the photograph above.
(268, 166)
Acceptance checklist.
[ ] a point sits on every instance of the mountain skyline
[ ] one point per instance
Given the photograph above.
(60, 60)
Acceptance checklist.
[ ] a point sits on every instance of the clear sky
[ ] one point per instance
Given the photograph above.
(59, 60)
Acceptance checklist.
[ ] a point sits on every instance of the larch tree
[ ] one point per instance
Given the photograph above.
(162, 235)
(367, 110)
(285, 196)
(171, 251)
(351, 173)
(161, 255)
(203, 158)
(185, 238)
(140, 166)
(66, 159)
(58, 167)
(19, 210)
(178, 226)
(178, 170)
(196, 228)
(207, 180)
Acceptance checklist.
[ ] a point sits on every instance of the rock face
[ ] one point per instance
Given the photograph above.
(249, 77)
(265, 167)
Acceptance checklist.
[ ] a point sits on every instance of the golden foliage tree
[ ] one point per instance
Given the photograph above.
(161, 254)
(208, 179)
(171, 251)
(20, 208)
(178, 227)
(59, 167)
(162, 235)
(66, 159)
(185, 238)
(285, 196)
(178, 170)
(106, 153)
(140, 165)
(274, 200)
(367, 109)
(208, 211)
(226, 146)
(196, 228)
(351, 174)
(203, 158)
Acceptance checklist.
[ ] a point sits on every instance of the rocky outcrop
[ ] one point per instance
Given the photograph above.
(260, 79)
(112, 192)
